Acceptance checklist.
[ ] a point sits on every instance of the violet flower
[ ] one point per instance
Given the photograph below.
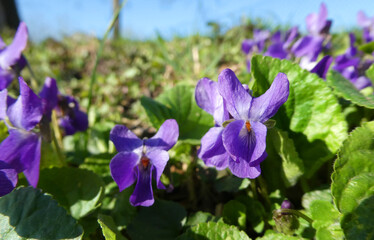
(72, 119)
(212, 151)
(11, 59)
(307, 49)
(255, 45)
(138, 160)
(21, 149)
(367, 24)
(317, 23)
(322, 66)
(350, 66)
(239, 142)
(279, 48)
(8, 178)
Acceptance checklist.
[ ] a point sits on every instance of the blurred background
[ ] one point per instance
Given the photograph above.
(145, 19)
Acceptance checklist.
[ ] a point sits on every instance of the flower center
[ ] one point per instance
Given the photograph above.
(248, 126)
(144, 161)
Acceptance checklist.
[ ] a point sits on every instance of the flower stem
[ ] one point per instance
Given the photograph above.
(99, 53)
(296, 213)
(56, 138)
(263, 190)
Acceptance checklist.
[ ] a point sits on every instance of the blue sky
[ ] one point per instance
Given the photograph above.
(142, 19)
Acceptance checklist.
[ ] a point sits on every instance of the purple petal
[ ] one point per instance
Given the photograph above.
(260, 37)
(49, 95)
(166, 137)
(242, 169)
(124, 140)
(363, 20)
(291, 35)
(6, 77)
(77, 122)
(247, 45)
(3, 103)
(317, 22)
(266, 105)
(8, 178)
(159, 159)
(277, 36)
(122, 167)
(286, 205)
(238, 100)
(31, 159)
(322, 66)
(367, 35)
(21, 150)
(352, 50)
(361, 82)
(206, 95)
(208, 98)
(212, 151)
(308, 46)
(248, 65)
(243, 145)
(143, 193)
(343, 61)
(27, 111)
(11, 54)
(276, 50)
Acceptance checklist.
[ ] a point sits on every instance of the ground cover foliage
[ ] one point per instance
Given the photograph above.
(317, 181)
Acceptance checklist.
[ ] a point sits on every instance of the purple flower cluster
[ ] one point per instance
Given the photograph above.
(28, 117)
(288, 46)
(138, 160)
(307, 49)
(238, 139)
(21, 149)
(351, 67)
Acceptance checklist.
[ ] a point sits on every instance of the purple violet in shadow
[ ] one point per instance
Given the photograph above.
(71, 118)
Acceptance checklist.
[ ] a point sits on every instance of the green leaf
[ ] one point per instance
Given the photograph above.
(345, 89)
(27, 213)
(78, 190)
(271, 235)
(309, 197)
(312, 111)
(255, 212)
(355, 157)
(353, 185)
(3, 131)
(367, 47)
(109, 228)
(370, 73)
(359, 223)
(123, 212)
(162, 220)
(323, 213)
(234, 213)
(200, 217)
(231, 184)
(214, 231)
(179, 103)
(292, 165)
